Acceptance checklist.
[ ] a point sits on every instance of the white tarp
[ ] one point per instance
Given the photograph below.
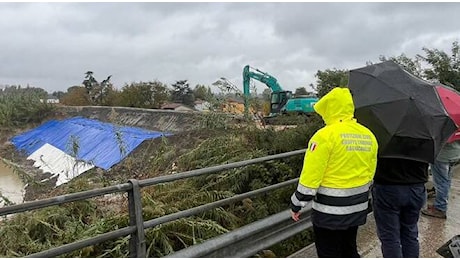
(51, 159)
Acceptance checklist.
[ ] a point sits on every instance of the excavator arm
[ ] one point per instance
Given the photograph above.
(261, 76)
(279, 96)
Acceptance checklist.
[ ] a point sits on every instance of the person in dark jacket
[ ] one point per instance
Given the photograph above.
(398, 195)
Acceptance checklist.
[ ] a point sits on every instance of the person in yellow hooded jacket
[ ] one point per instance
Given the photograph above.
(337, 172)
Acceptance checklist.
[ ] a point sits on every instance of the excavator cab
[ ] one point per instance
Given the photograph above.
(278, 101)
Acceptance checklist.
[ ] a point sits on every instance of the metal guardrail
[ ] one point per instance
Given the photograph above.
(257, 236)
(250, 239)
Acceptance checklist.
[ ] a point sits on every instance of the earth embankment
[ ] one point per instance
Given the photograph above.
(152, 119)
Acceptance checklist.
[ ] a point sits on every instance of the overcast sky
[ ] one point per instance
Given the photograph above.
(52, 45)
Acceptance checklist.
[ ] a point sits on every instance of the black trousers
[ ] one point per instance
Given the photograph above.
(336, 243)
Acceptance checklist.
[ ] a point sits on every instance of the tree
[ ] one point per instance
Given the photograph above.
(413, 66)
(443, 67)
(329, 79)
(182, 93)
(143, 95)
(58, 94)
(76, 96)
(97, 92)
(202, 92)
(19, 106)
(111, 95)
(161, 94)
(89, 81)
(39, 92)
(301, 91)
(136, 95)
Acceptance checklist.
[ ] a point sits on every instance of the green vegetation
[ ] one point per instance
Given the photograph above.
(30, 232)
(442, 67)
(22, 106)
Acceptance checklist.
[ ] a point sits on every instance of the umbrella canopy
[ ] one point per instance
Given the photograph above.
(451, 100)
(454, 137)
(405, 113)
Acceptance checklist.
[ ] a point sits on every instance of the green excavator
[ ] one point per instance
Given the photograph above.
(281, 101)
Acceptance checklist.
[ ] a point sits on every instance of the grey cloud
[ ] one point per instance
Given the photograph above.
(51, 45)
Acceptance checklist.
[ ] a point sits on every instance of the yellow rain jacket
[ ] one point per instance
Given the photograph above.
(339, 165)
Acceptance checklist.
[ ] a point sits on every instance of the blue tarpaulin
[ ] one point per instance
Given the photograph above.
(92, 141)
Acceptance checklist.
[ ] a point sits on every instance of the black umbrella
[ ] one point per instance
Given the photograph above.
(404, 112)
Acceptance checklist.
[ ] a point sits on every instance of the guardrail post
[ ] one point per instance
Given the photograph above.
(137, 240)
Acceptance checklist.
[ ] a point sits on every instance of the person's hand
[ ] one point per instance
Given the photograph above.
(295, 215)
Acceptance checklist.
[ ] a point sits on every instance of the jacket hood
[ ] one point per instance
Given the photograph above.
(335, 106)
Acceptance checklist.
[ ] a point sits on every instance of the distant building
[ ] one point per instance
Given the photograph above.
(176, 107)
(202, 105)
(50, 100)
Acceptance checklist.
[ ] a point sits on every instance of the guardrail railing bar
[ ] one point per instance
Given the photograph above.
(209, 247)
(137, 240)
(63, 199)
(252, 246)
(53, 252)
(215, 204)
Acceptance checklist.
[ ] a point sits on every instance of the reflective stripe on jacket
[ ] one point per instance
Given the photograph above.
(341, 201)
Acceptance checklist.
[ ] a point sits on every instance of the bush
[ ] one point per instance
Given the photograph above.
(19, 107)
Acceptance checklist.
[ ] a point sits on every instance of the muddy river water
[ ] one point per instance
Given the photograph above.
(11, 186)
